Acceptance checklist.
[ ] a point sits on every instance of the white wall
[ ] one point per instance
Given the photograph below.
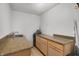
(25, 23)
(58, 20)
(4, 19)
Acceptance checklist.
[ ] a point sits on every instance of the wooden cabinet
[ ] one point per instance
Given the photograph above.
(55, 49)
(17, 46)
(54, 46)
(41, 44)
(25, 52)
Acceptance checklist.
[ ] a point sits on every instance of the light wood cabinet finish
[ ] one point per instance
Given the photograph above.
(41, 44)
(54, 46)
(18, 46)
(25, 52)
(55, 49)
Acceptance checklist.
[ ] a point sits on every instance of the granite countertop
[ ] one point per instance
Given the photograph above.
(10, 45)
(61, 40)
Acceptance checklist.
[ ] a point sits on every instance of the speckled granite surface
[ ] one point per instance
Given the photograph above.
(10, 45)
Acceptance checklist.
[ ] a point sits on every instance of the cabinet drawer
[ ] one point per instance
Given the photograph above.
(53, 52)
(57, 45)
(49, 45)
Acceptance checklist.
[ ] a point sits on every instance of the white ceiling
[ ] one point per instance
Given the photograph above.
(34, 8)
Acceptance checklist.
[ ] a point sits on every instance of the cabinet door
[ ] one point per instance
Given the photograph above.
(68, 49)
(43, 47)
(41, 44)
(38, 42)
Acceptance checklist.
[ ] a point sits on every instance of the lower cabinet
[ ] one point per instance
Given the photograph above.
(26, 52)
(54, 47)
(41, 45)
